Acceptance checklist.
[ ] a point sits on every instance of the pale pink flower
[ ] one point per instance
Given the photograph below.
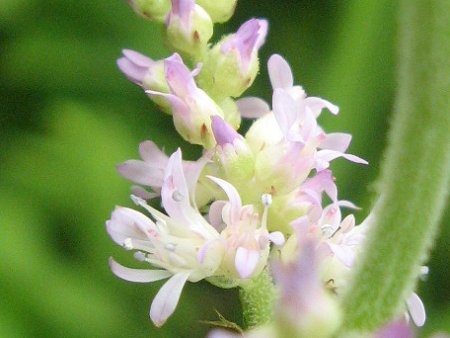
(150, 170)
(243, 232)
(171, 242)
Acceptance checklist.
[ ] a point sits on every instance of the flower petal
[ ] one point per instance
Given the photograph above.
(246, 261)
(416, 309)
(137, 275)
(279, 72)
(233, 196)
(285, 110)
(167, 298)
(336, 141)
(150, 152)
(141, 172)
(252, 107)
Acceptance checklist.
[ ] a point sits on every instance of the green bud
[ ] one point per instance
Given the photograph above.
(155, 10)
(188, 30)
(219, 10)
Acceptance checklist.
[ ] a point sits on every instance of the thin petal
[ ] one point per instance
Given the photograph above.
(252, 107)
(279, 72)
(416, 309)
(246, 261)
(150, 152)
(137, 275)
(284, 109)
(336, 141)
(141, 172)
(137, 58)
(167, 298)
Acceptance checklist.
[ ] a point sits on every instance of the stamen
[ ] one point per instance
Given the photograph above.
(140, 256)
(266, 200)
(128, 244)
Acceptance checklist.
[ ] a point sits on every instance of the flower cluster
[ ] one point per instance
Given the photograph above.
(268, 193)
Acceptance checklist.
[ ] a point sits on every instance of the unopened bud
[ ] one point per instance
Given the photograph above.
(219, 10)
(155, 10)
(232, 65)
(189, 28)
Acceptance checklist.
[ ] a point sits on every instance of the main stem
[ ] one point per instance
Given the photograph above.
(257, 298)
(415, 176)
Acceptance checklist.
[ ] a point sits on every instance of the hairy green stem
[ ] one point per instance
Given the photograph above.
(415, 176)
(257, 298)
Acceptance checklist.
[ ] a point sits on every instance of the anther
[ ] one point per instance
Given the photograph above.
(177, 196)
(266, 199)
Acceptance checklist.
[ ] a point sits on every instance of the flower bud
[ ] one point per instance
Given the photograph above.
(219, 10)
(151, 9)
(305, 308)
(189, 28)
(146, 73)
(192, 108)
(232, 64)
(236, 159)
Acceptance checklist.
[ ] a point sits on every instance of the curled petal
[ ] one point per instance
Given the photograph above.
(167, 298)
(137, 275)
(316, 104)
(233, 196)
(246, 261)
(127, 223)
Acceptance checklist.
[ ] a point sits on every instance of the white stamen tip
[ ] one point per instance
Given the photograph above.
(327, 230)
(140, 256)
(128, 244)
(177, 196)
(266, 199)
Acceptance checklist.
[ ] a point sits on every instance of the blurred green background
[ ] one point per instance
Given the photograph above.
(68, 117)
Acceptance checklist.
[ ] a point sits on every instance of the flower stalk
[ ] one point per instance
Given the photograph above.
(415, 175)
(258, 298)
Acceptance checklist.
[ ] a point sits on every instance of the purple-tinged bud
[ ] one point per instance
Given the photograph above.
(155, 10)
(232, 64)
(305, 308)
(192, 108)
(146, 73)
(236, 158)
(223, 132)
(189, 28)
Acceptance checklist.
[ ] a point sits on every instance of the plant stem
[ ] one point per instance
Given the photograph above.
(257, 298)
(415, 176)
